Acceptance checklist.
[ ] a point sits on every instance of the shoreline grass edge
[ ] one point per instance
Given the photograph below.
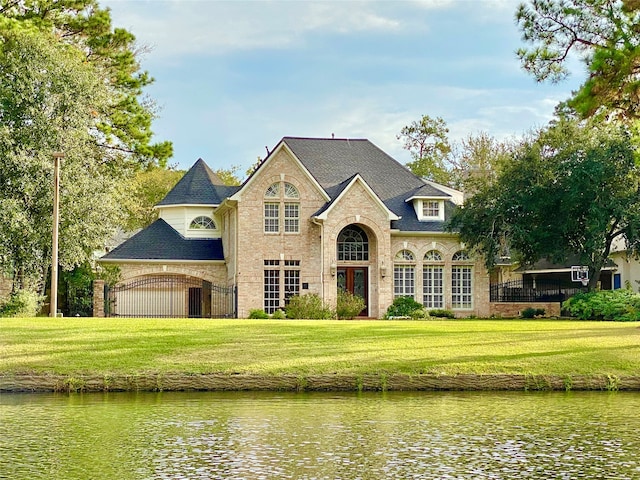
(166, 382)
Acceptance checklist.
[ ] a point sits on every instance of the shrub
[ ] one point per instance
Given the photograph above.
(531, 312)
(23, 303)
(258, 313)
(278, 314)
(308, 306)
(406, 307)
(616, 305)
(349, 305)
(440, 313)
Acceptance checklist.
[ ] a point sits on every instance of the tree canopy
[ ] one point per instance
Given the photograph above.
(462, 165)
(605, 34)
(123, 127)
(572, 189)
(71, 83)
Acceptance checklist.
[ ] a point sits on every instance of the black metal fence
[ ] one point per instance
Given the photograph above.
(534, 291)
(174, 296)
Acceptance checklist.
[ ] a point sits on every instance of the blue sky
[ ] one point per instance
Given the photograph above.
(234, 77)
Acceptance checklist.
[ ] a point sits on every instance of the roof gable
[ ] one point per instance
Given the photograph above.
(199, 186)
(344, 189)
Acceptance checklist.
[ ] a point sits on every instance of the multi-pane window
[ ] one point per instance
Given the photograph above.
(431, 208)
(271, 217)
(276, 201)
(433, 280)
(291, 279)
(281, 282)
(271, 286)
(353, 244)
(404, 281)
(202, 222)
(291, 217)
(461, 282)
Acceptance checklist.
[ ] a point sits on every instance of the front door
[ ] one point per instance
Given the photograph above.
(356, 281)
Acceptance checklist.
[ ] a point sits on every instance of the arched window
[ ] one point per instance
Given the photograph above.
(461, 256)
(353, 244)
(461, 281)
(405, 256)
(404, 274)
(290, 191)
(202, 222)
(433, 280)
(273, 191)
(433, 256)
(275, 207)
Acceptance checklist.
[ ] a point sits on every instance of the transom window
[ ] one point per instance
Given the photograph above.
(290, 191)
(433, 256)
(461, 256)
(202, 222)
(273, 191)
(353, 244)
(405, 256)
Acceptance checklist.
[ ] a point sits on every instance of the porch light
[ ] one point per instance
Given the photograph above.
(383, 270)
(333, 268)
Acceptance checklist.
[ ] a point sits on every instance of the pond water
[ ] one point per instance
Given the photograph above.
(320, 436)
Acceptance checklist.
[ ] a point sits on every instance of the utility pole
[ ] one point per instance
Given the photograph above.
(57, 156)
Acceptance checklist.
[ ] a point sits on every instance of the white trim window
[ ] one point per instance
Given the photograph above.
(202, 223)
(461, 281)
(278, 204)
(404, 274)
(271, 217)
(433, 280)
(429, 209)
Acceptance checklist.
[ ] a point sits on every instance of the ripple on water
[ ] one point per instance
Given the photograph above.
(320, 436)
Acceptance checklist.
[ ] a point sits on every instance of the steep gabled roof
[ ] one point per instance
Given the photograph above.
(199, 186)
(159, 241)
(333, 162)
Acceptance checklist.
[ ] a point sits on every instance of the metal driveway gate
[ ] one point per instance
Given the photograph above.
(170, 296)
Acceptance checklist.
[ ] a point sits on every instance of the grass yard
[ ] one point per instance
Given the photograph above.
(78, 346)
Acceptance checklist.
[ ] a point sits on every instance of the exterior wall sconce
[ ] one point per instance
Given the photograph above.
(333, 268)
(383, 270)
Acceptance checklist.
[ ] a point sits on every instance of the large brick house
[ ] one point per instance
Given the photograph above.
(316, 215)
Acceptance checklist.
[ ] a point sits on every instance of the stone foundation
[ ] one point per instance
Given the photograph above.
(513, 310)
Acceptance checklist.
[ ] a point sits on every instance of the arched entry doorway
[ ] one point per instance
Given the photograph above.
(353, 263)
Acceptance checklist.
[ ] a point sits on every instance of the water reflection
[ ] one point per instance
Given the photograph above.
(320, 436)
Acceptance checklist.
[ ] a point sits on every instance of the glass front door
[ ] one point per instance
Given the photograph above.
(355, 280)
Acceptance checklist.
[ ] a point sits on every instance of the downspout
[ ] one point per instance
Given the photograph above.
(318, 222)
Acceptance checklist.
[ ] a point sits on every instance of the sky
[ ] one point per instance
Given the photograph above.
(234, 77)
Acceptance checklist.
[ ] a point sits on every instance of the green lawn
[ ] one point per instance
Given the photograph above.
(68, 346)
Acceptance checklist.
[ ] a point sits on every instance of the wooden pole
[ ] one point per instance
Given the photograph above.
(54, 247)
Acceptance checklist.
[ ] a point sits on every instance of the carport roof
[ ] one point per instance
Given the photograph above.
(159, 241)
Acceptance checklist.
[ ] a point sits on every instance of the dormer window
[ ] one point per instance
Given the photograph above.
(428, 209)
(202, 223)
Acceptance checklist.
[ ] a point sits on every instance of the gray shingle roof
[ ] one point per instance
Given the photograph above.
(199, 186)
(159, 241)
(333, 161)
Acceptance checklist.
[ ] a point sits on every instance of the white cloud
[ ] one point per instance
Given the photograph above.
(176, 28)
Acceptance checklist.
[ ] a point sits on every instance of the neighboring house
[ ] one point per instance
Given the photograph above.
(627, 274)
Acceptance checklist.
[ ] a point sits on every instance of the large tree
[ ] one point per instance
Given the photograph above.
(125, 126)
(573, 189)
(50, 100)
(605, 34)
(428, 144)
